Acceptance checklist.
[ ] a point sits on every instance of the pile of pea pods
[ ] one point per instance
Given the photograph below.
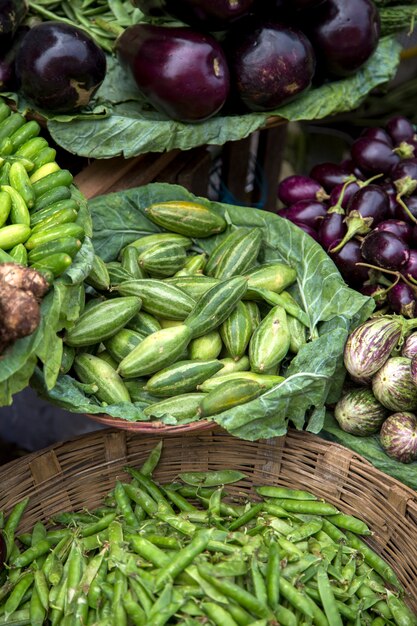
(190, 553)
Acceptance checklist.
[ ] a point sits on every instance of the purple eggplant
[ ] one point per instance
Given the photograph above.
(297, 187)
(270, 64)
(343, 193)
(181, 72)
(328, 175)
(12, 14)
(409, 270)
(393, 386)
(366, 208)
(331, 231)
(375, 291)
(308, 212)
(385, 250)
(59, 67)
(307, 229)
(373, 156)
(400, 129)
(204, 14)
(369, 346)
(409, 349)
(377, 133)
(344, 34)
(402, 300)
(398, 436)
(407, 209)
(358, 412)
(404, 176)
(153, 8)
(348, 260)
(398, 227)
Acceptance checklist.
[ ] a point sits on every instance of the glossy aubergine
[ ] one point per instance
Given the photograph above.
(270, 64)
(59, 67)
(181, 72)
(12, 13)
(206, 14)
(344, 34)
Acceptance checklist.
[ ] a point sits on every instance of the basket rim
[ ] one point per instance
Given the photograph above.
(154, 427)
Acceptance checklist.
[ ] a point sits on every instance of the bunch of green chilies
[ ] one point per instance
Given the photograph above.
(151, 556)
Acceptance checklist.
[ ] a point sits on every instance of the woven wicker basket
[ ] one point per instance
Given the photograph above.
(79, 473)
(153, 428)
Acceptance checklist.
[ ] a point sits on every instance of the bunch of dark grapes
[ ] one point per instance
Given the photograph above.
(363, 211)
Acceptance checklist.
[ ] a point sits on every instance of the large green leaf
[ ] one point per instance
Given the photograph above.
(370, 448)
(120, 122)
(333, 309)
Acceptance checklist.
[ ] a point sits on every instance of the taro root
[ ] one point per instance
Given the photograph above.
(23, 278)
(21, 289)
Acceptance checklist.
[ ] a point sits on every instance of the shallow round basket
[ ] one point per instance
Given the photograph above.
(155, 427)
(79, 473)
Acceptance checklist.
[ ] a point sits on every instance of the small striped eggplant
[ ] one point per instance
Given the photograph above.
(393, 385)
(358, 412)
(398, 436)
(409, 348)
(370, 345)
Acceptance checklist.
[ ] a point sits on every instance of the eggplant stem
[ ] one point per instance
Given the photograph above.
(356, 225)
(405, 207)
(337, 208)
(364, 183)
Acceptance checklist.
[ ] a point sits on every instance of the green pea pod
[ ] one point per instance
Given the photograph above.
(210, 479)
(218, 614)
(284, 492)
(270, 342)
(19, 213)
